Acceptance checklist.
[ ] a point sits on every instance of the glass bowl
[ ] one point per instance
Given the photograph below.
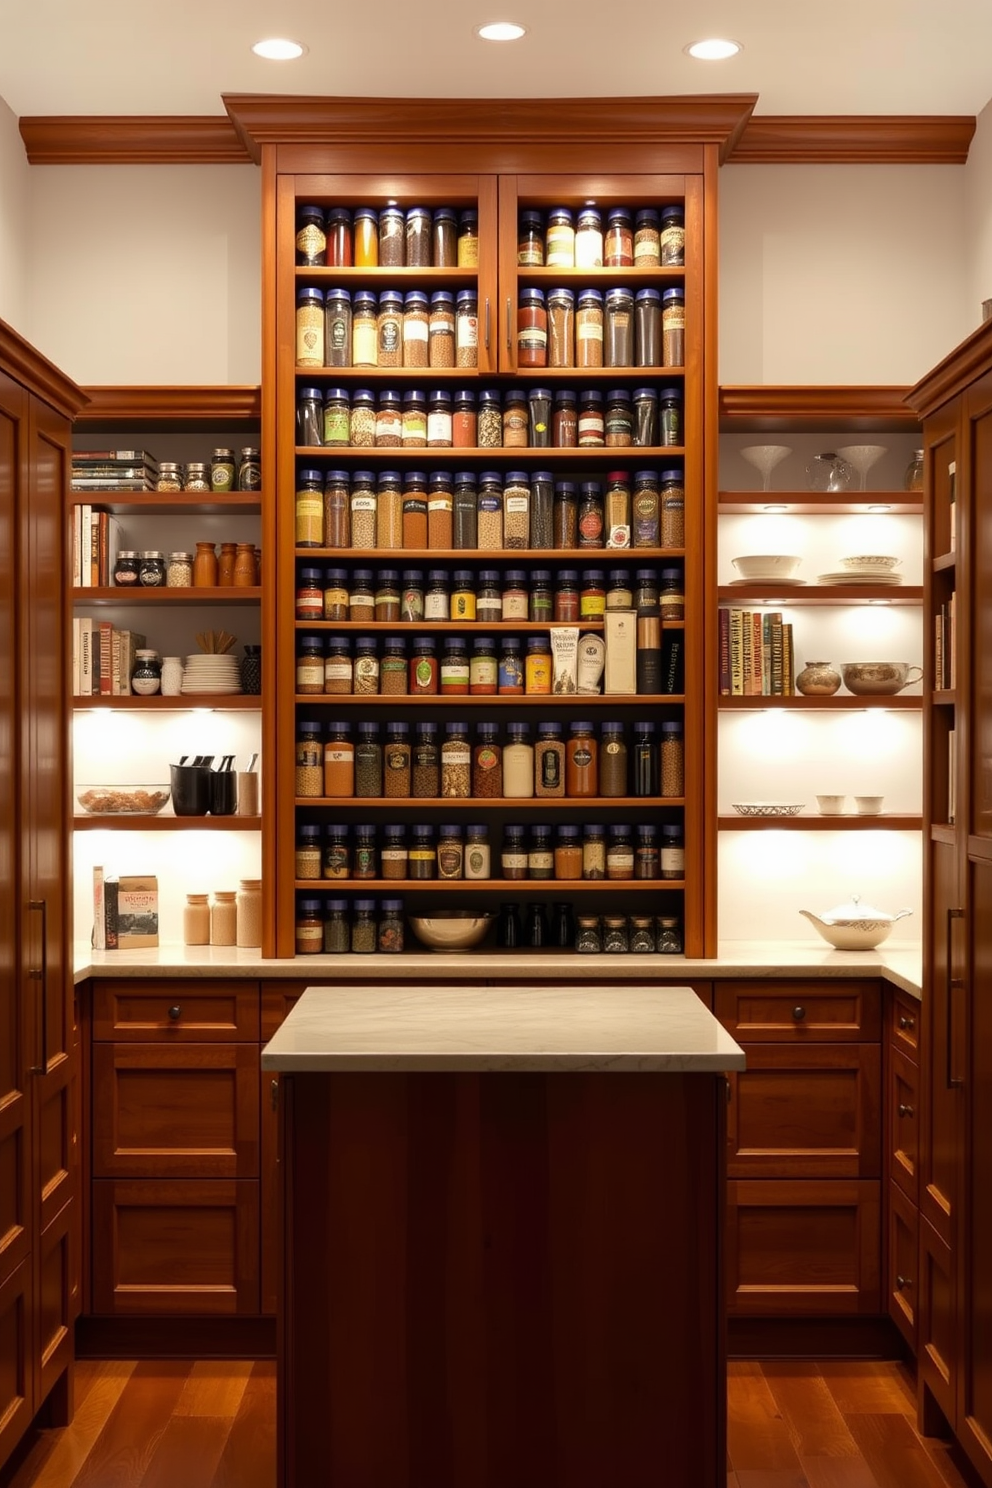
(122, 800)
(451, 930)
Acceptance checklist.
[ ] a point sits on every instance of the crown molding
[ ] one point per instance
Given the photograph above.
(214, 401)
(958, 370)
(758, 407)
(253, 120)
(853, 139)
(129, 139)
(38, 374)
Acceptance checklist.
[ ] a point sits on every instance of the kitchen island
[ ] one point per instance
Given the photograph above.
(502, 1210)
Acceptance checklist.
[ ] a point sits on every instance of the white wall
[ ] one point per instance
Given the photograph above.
(833, 274)
(978, 216)
(147, 274)
(14, 182)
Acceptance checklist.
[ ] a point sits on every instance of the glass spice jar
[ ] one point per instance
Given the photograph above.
(489, 519)
(151, 568)
(513, 855)
(618, 328)
(669, 938)
(337, 854)
(565, 420)
(590, 515)
(516, 510)
(518, 762)
(564, 515)
(618, 242)
(170, 476)
(511, 667)
(426, 762)
(490, 431)
(483, 668)
(672, 759)
(337, 510)
(489, 598)
(463, 595)
(593, 851)
(338, 667)
(309, 664)
(647, 239)
(589, 329)
(645, 417)
(412, 594)
(309, 327)
(179, 571)
(309, 509)
(591, 424)
(363, 928)
(467, 328)
(334, 596)
(530, 240)
(539, 417)
(368, 761)
(310, 595)
(437, 599)
(419, 228)
(309, 759)
(540, 600)
(393, 857)
(644, 760)
(415, 330)
(566, 597)
(366, 238)
(439, 419)
(339, 761)
(250, 469)
(532, 329)
(581, 760)
(338, 328)
(309, 934)
(363, 511)
(561, 328)
(311, 242)
(337, 930)
(478, 861)
(672, 852)
(444, 238)
(672, 234)
(616, 941)
(589, 239)
(516, 421)
(456, 762)
(560, 239)
(464, 420)
(387, 595)
(549, 761)
(396, 761)
(454, 667)
(339, 243)
(540, 856)
(673, 327)
(671, 596)
(440, 510)
(389, 420)
(620, 852)
(541, 509)
(487, 763)
(616, 509)
(310, 417)
(588, 940)
(568, 853)
(647, 860)
(392, 931)
(672, 501)
(393, 667)
(361, 599)
(364, 329)
(422, 855)
(613, 760)
(647, 328)
(414, 527)
(222, 470)
(468, 239)
(619, 594)
(392, 237)
(424, 672)
(413, 420)
(646, 506)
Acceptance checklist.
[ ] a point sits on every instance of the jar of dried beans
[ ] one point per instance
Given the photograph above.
(561, 328)
(487, 762)
(467, 328)
(309, 759)
(456, 763)
(415, 330)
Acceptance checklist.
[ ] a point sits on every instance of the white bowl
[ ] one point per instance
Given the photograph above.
(870, 560)
(761, 566)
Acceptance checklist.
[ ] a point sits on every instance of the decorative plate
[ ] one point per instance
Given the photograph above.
(768, 808)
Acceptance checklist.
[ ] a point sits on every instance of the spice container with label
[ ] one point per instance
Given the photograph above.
(530, 240)
(673, 327)
(363, 679)
(439, 510)
(518, 762)
(393, 667)
(487, 762)
(644, 767)
(671, 595)
(620, 852)
(516, 510)
(568, 853)
(566, 597)
(532, 329)
(565, 420)
(361, 600)
(618, 242)
(613, 761)
(589, 239)
(412, 594)
(539, 667)
(439, 419)
(513, 856)
(647, 860)
(511, 667)
(337, 854)
(392, 934)
(363, 863)
(463, 602)
(561, 328)
(549, 761)
(647, 239)
(413, 420)
(339, 762)
(389, 420)
(364, 329)
(222, 470)
(338, 330)
(311, 242)
(309, 759)
(309, 509)
(467, 328)
(616, 509)
(540, 856)
(673, 234)
(426, 762)
(170, 476)
(309, 327)
(393, 857)
(454, 669)
(672, 509)
(564, 515)
(581, 760)
(593, 851)
(197, 477)
(560, 239)
(516, 421)
(387, 595)
(619, 594)
(363, 929)
(450, 852)
(363, 512)
(477, 852)
(437, 599)
(483, 675)
(646, 505)
(468, 239)
(456, 763)
(307, 861)
(618, 328)
(126, 569)
(514, 598)
(590, 515)
(309, 928)
(592, 594)
(368, 761)
(396, 761)
(424, 670)
(464, 421)
(645, 417)
(309, 664)
(672, 852)
(618, 419)
(337, 930)
(592, 424)
(338, 672)
(151, 569)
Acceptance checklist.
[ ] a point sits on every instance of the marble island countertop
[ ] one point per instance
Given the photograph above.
(501, 1028)
(900, 964)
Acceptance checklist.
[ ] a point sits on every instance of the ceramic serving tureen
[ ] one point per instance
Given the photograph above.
(854, 926)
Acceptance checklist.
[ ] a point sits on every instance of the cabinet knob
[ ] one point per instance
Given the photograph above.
(902, 1282)
(175, 1013)
(799, 1014)
(906, 1111)
(907, 1022)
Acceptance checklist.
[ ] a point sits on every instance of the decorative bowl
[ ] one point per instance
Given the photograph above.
(770, 566)
(878, 678)
(854, 926)
(768, 808)
(871, 560)
(122, 800)
(451, 929)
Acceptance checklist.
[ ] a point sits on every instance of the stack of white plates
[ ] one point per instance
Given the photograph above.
(867, 569)
(207, 673)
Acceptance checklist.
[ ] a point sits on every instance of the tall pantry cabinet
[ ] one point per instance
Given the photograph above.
(530, 155)
(39, 1248)
(955, 1253)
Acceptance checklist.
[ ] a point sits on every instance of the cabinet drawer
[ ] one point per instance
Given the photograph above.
(800, 1011)
(936, 1328)
(806, 1112)
(176, 1247)
(176, 1010)
(803, 1249)
(904, 1124)
(903, 1257)
(190, 1110)
(904, 1023)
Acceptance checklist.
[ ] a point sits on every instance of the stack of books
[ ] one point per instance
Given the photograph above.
(756, 654)
(944, 647)
(103, 658)
(114, 470)
(95, 540)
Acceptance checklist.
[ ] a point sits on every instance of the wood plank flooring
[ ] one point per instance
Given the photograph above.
(211, 1424)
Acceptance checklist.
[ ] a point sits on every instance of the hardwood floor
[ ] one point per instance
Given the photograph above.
(175, 1424)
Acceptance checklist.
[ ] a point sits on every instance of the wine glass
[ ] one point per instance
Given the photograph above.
(863, 457)
(764, 457)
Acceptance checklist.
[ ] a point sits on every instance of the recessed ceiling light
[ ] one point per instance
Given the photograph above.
(278, 49)
(500, 31)
(714, 49)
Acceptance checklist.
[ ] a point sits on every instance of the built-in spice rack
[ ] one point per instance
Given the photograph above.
(497, 390)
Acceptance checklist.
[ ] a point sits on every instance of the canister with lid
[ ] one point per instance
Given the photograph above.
(618, 328)
(618, 242)
(518, 761)
(339, 241)
(589, 239)
(673, 234)
(309, 327)
(647, 328)
(673, 327)
(337, 328)
(532, 329)
(589, 329)
(560, 239)
(647, 242)
(311, 241)
(389, 329)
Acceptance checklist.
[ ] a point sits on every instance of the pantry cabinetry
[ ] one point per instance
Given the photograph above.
(39, 1117)
(521, 354)
(955, 402)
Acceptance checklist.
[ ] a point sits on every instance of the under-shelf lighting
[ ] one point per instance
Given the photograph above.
(278, 49)
(879, 506)
(776, 506)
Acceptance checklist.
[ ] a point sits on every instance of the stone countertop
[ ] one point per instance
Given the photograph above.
(611, 1030)
(900, 964)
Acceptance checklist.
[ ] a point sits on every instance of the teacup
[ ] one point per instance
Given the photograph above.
(869, 805)
(831, 805)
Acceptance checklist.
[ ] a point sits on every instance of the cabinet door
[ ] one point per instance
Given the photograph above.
(936, 1357)
(16, 1348)
(176, 1247)
(902, 1257)
(170, 1111)
(942, 1129)
(975, 639)
(813, 1112)
(277, 1000)
(15, 1047)
(57, 1265)
(903, 1123)
(800, 1011)
(803, 1249)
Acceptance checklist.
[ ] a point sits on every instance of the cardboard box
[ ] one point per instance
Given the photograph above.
(137, 911)
(621, 651)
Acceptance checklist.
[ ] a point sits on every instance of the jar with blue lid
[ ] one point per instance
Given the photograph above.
(337, 328)
(309, 327)
(673, 234)
(673, 327)
(310, 417)
(647, 328)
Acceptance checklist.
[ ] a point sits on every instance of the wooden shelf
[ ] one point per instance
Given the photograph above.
(527, 454)
(192, 596)
(167, 823)
(526, 804)
(578, 700)
(758, 408)
(945, 562)
(164, 503)
(740, 595)
(455, 627)
(945, 832)
(165, 407)
(840, 702)
(945, 697)
(554, 886)
(847, 822)
(487, 557)
(217, 702)
(388, 376)
(813, 503)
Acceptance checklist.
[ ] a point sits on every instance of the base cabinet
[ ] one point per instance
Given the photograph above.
(902, 1257)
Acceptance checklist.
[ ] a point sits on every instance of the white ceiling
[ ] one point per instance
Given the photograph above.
(800, 56)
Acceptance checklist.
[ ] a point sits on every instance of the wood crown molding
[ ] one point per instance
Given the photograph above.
(753, 406)
(852, 139)
(253, 120)
(959, 369)
(273, 119)
(35, 372)
(159, 139)
(237, 401)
